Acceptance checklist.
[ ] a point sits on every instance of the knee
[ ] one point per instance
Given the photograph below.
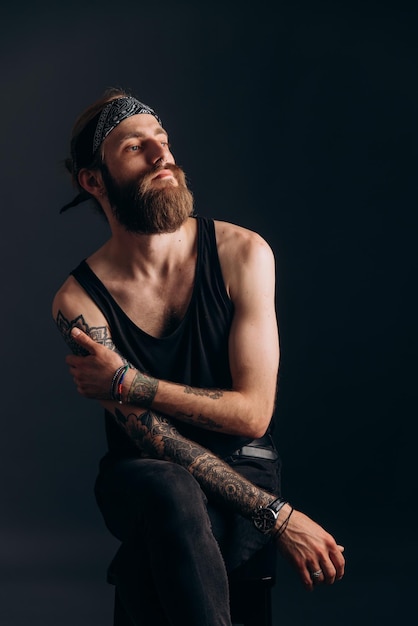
(173, 484)
(175, 499)
(153, 494)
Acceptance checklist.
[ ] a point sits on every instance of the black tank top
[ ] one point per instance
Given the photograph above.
(195, 354)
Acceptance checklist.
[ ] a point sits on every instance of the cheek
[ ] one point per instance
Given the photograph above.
(131, 173)
(126, 166)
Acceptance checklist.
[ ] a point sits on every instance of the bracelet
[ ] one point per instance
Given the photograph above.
(283, 525)
(122, 376)
(115, 385)
(114, 379)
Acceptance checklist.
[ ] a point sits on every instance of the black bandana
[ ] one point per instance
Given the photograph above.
(85, 146)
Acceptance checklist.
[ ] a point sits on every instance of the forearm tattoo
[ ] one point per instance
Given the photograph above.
(142, 390)
(142, 393)
(213, 394)
(100, 334)
(200, 420)
(157, 437)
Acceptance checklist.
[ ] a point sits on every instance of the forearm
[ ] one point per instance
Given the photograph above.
(227, 411)
(243, 410)
(156, 436)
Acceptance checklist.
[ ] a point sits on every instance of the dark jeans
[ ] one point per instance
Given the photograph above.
(171, 570)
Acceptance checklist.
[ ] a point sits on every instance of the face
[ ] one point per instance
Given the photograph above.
(146, 190)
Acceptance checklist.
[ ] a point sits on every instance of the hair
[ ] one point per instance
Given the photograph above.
(82, 121)
(111, 93)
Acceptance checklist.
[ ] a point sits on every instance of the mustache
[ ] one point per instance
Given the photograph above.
(160, 165)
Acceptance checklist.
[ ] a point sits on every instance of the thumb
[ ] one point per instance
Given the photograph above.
(82, 339)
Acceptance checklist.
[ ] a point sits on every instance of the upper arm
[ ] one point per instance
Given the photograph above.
(72, 307)
(249, 272)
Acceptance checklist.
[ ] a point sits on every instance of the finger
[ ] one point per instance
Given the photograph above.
(319, 575)
(73, 360)
(306, 574)
(82, 339)
(328, 573)
(307, 581)
(339, 564)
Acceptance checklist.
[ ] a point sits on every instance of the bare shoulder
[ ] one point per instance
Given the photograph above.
(71, 298)
(241, 249)
(237, 240)
(243, 255)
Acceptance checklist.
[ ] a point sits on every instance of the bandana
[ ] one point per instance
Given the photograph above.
(85, 146)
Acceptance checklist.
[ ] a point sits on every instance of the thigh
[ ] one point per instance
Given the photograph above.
(169, 557)
(132, 490)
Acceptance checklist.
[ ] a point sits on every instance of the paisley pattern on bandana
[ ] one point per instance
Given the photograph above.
(114, 113)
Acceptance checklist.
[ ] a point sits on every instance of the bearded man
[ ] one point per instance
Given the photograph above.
(173, 329)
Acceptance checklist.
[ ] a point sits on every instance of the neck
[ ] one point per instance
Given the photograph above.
(148, 254)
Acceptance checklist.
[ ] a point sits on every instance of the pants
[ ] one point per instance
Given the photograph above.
(177, 546)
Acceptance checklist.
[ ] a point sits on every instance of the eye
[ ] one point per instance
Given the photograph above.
(133, 148)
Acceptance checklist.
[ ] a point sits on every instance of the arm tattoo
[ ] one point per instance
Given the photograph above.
(202, 420)
(156, 435)
(205, 422)
(142, 393)
(213, 394)
(100, 334)
(142, 390)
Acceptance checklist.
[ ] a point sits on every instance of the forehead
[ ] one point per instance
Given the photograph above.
(141, 125)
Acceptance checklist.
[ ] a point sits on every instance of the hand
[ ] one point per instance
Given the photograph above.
(309, 548)
(93, 373)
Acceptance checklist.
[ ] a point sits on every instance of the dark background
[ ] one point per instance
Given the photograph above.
(294, 119)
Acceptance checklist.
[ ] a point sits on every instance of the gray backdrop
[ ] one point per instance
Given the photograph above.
(295, 119)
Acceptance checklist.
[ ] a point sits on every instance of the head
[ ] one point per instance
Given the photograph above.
(120, 158)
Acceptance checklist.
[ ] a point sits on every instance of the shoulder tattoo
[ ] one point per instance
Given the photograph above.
(100, 334)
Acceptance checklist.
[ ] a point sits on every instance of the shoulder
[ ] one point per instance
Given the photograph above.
(242, 252)
(238, 244)
(71, 302)
(67, 296)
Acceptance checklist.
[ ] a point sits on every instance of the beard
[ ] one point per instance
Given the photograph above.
(144, 209)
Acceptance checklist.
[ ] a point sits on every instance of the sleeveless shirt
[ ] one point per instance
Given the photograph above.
(194, 354)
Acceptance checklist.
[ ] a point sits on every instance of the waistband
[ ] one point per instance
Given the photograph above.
(261, 448)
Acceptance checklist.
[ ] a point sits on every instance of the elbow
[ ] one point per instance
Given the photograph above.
(257, 432)
(260, 418)
(253, 416)
(257, 425)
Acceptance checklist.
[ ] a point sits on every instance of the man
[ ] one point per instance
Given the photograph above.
(173, 328)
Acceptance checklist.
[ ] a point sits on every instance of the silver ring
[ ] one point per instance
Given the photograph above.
(317, 573)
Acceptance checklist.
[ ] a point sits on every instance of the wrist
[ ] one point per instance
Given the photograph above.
(116, 385)
(127, 382)
(142, 390)
(265, 518)
(282, 521)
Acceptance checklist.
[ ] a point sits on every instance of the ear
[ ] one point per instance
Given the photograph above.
(92, 181)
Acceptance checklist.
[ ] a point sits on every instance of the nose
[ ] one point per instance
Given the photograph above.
(160, 162)
(156, 152)
(159, 154)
